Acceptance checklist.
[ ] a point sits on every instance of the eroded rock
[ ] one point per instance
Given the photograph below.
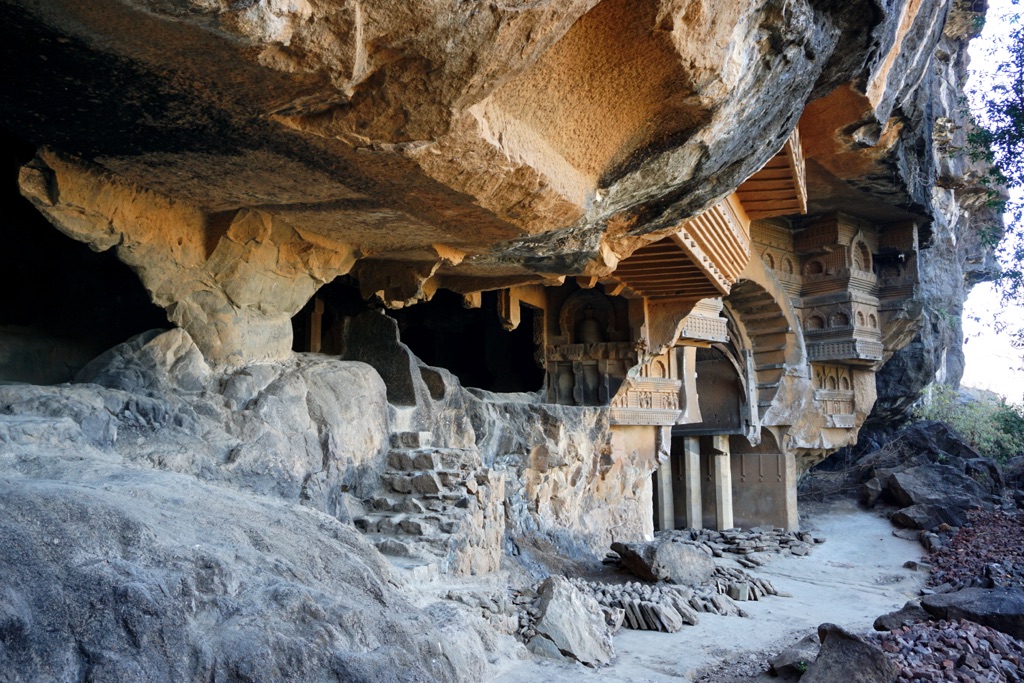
(998, 608)
(796, 659)
(573, 623)
(175, 579)
(847, 658)
(678, 563)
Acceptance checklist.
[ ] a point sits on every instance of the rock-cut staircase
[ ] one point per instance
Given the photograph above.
(436, 504)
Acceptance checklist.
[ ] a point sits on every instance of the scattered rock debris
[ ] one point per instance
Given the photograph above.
(987, 552)
(959, 651)
(752, 548)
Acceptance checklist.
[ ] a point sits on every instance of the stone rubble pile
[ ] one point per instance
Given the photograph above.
(987, 552)
(957, 651)
(559, 620)
(499, 609)
(662, 607)
(753, 547)
(740, 586)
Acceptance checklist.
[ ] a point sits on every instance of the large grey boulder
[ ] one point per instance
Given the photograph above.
(925, 517)
(946, 491)
(848, 658)
(572, 623)
(118, 574)
(665, 560)
(998, 608)
(933, 484)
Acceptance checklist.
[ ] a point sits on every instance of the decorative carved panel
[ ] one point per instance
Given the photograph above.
(647, 401)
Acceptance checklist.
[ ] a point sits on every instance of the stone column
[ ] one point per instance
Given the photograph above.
(789, 481)
(723, 482)
(666, 499)
(691, 470)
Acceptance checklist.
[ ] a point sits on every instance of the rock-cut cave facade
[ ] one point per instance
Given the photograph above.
(669, 246)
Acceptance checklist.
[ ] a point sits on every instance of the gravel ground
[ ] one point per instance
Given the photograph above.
(956, 651)
(987, 552)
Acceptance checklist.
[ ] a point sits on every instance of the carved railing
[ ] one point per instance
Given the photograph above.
(647, 401)
(849, 350)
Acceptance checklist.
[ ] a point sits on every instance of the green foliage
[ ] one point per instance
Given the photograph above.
(993, 429)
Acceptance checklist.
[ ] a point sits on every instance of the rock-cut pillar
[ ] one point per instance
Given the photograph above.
(232, 280)
(666, 499)
(691, 474)
(723, 482)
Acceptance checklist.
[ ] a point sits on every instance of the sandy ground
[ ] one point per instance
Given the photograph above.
(850, 580)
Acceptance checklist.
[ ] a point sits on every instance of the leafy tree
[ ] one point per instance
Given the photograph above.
(993, 429)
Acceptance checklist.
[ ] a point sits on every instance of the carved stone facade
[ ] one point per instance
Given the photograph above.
(720, 331)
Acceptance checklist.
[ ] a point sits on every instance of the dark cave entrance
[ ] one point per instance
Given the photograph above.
(468, 342)
(471, 342)
(62, 304)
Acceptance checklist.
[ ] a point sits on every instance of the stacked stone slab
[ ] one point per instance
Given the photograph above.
(740, 586)
(659, 607)
(751, 548)
(437, 504)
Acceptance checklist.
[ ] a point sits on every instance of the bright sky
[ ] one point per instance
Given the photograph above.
(992, 361)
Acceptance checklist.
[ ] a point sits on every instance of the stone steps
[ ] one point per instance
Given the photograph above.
(427, 495)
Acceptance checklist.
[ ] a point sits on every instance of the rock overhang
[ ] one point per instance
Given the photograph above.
(558, 132)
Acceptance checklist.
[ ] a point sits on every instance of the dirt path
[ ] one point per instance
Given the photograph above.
(854, 577)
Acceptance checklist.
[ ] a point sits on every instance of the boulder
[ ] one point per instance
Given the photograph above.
(942, 486)
(848, 658)
(910, 613)
(796, 659)
(573, 623)
(665, 560)
(114, 573)
(925, 517)
(998, 608)
(871, 491)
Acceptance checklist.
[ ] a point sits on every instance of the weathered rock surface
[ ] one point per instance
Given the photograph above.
(574, 496)
(998, 608)
(662, 560)
(573, 622)
(959, 255)
(117, 573)
(280, 429)
(925, 517)
(933, 485)
(910, 613)
(926, 469)
(368, 137)
(847, 658)
(792, 662)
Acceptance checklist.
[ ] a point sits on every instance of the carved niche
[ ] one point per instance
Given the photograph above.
(839, 290)
(650, 399)
(833, 390)
(586, 366)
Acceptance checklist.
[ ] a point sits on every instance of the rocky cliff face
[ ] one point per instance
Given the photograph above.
(959, 251)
